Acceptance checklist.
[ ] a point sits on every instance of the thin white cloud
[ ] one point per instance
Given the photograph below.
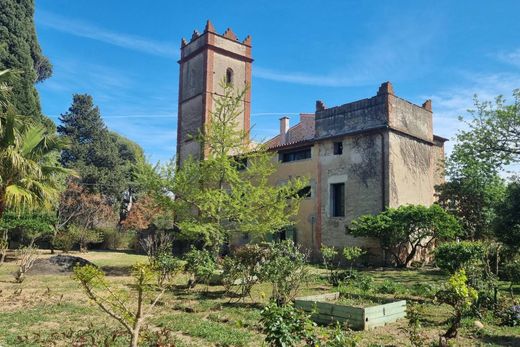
(91, 31)
(396, 56)
(511, 57)
(455, 101)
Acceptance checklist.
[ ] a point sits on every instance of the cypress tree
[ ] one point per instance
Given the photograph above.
(20, 51)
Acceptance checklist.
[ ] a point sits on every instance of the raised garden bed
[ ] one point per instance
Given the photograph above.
(326, 309)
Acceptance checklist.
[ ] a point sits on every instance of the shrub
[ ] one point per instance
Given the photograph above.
(512, 272)
(201, 265)
(84, 236)
(285, 270)
(459, 295)
(452, 256)
(511, 316)
(329, 255)
(245, 267)
(352, 254)
(390, 287)
(114, 239)
(413, 314)
(341, 337)
(166, 265)
(426, 290)
(286, 326)
(26, 258)
(128, 310)
(64, 241)
(157, 243)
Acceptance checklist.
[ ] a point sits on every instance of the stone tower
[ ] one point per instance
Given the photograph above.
(206, 60)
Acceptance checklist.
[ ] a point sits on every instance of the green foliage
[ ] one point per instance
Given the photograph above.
(511, 316)
(228, 196)
(285, 269)
(390, 287)
(114, 239)
(104, 160)
(125, 308)
(245, 267)
(406, 229)
(512, 272)
(507, 226)
(166, 266)
(201, 265)
(286, 326)
(30, 175)
(84, 236)
(341, 337)
(31, 226)
(452, 256)
(352, 253)
(20, 50)
(459, 295)
(493, 131)
(413, 314)
(329, 255)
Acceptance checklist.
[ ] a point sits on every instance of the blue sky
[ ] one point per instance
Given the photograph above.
(125, 54)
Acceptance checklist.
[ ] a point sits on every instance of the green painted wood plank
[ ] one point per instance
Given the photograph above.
(385, 311)
(384, 320)
(388, 305)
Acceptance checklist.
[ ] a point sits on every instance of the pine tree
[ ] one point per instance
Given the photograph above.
(20, 51)
(103, 159)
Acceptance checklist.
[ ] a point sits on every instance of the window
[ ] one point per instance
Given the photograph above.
(305, 192)
(337, 197)
(240, 163)
(300, 154)
(338, 148)
(229, 76)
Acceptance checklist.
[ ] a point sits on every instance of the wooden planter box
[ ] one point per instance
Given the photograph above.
(357, 318)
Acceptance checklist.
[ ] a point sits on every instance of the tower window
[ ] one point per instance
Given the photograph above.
(337, 199)
(229, 76)
(338, 148)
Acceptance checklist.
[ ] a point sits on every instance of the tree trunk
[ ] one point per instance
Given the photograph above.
(455, 325)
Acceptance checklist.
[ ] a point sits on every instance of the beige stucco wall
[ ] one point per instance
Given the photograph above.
(411, 171)
(306, 219)
(360, 167)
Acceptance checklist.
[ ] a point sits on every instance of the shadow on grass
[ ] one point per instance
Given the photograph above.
(117, 270)
(242, 304)
(499, 340)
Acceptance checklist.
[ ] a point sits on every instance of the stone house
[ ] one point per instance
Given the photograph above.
(360, 157)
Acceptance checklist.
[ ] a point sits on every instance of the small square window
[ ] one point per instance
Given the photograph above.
(338, 148)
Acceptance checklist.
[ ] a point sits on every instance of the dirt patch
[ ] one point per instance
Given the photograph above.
(57, 264)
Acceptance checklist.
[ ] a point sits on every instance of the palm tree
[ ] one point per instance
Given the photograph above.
(29, 169)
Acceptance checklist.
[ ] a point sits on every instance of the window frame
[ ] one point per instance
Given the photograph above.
(337, 207)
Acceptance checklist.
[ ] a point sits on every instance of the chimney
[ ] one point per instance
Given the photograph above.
(427, 105)
(284, 128)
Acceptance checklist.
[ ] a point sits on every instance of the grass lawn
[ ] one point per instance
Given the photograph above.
(52, 310)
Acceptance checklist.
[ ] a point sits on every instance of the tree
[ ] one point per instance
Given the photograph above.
(472, 192)
(494, 131)
(507, 226)
(459, 295)
(84, 209)
(29, 169)
(19, 50)
(404, 230)
(104, 159)
(229, 191)
(128, 310)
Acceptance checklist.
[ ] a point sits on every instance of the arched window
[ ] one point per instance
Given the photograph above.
(229, 76)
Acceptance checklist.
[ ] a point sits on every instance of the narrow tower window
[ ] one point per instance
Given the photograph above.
(229, 76)
(337, 199)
